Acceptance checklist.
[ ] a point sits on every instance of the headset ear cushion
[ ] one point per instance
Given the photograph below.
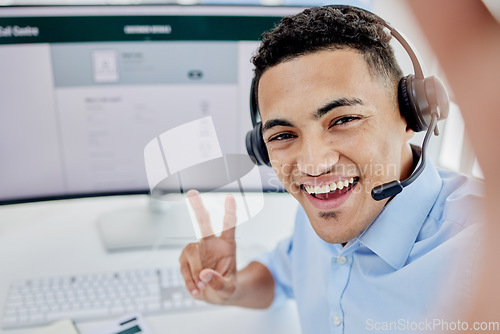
(256, 147)
(260, 147)
(406, 105)
(249, 145)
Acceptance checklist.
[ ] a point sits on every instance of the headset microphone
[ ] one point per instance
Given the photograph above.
(422, 102)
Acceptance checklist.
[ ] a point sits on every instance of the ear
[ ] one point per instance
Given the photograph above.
(409, 134)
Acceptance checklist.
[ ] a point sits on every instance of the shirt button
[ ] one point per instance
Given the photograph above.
(341, 260)
(336, 320)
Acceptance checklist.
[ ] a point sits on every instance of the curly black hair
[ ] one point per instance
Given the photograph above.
(329, 28)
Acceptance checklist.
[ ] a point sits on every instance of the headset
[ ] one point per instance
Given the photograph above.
(422, 101)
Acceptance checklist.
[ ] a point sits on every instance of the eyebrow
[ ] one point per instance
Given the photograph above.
(341, 102)
(275, 122)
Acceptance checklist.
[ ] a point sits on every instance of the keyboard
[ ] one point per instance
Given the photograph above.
(94, 296)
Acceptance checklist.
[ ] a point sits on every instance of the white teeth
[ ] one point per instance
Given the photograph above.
(327, 188)
(322, 189)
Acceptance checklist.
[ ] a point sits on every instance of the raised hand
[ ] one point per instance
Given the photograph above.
(209, 266)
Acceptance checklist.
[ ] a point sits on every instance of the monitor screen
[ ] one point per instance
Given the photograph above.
(85, 88)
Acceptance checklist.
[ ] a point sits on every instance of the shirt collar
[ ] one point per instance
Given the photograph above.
(393, 233)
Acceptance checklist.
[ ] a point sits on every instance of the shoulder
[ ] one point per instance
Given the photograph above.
(456, 184)
(460, 200)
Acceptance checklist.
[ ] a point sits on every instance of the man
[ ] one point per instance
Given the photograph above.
(327, 88)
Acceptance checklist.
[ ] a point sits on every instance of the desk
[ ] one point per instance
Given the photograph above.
(60, 238)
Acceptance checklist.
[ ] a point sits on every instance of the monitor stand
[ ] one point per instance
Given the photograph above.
(163, 222)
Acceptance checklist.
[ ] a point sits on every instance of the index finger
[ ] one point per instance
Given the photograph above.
(229, 225)
(201, 213)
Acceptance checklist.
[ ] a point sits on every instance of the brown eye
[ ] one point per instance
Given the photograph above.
(345, 119)
(281, 136)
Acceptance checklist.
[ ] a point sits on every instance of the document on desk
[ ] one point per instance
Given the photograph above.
(130, 324)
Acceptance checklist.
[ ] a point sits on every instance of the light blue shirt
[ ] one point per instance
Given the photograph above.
(391, 276)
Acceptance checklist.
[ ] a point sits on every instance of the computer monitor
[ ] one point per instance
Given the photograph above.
(83, 89)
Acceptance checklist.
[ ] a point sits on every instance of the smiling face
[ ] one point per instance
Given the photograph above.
(333, 132)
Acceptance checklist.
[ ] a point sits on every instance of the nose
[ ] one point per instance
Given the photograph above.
(317, 156)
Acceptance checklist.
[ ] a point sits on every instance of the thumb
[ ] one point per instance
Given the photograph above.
(213, 279)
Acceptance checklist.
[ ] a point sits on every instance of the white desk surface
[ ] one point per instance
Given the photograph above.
(55, 238)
